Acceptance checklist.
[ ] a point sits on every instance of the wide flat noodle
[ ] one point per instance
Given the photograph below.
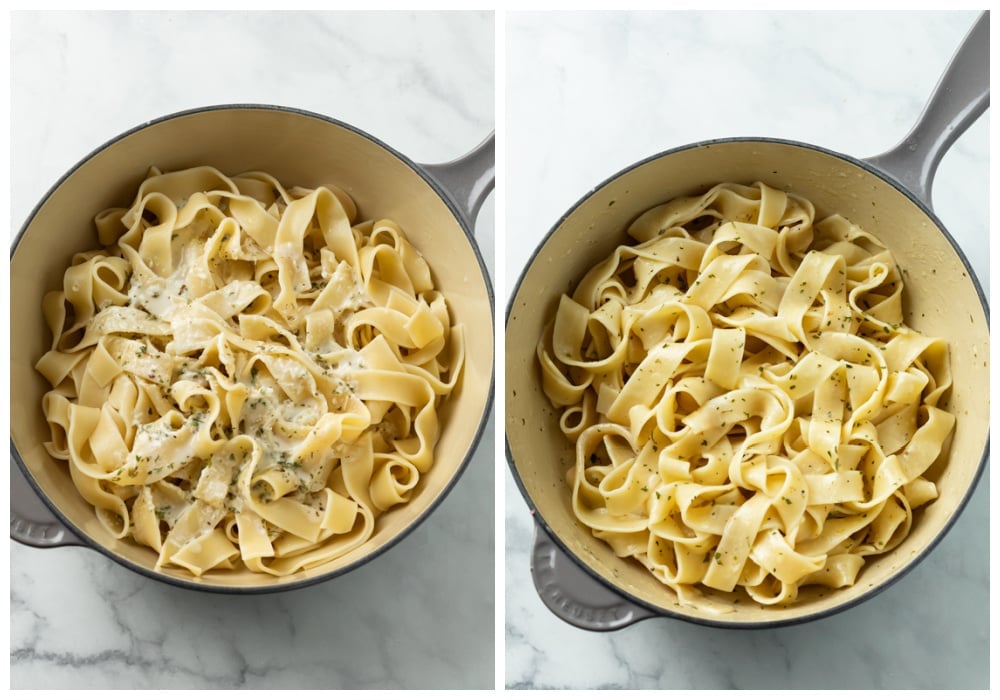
(749, 410)
(244, 376)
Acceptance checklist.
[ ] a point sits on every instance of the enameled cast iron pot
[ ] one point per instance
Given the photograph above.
(435, 204)
(577, 576)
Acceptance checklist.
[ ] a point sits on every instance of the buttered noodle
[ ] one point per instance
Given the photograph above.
(243, 377)
(748, 408)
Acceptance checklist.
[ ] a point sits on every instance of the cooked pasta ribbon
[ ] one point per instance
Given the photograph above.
(244, 376)
(748, 408)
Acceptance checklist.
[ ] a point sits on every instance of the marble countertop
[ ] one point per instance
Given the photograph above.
(422, 614)
(587, 94)
(590, 94)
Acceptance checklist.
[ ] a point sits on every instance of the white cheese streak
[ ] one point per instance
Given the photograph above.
(243, 376)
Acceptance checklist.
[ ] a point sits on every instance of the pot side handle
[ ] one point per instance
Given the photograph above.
(469, 178)
(576, 597)
(960, 97)
(31, 522)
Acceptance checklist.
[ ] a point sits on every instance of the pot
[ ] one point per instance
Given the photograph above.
(435, 204)
(577, 576)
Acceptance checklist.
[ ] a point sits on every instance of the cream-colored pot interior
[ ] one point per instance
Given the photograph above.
(940, 300)
(299, 149)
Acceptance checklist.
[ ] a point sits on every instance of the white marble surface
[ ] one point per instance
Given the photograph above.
(589, 94)
(419, 616)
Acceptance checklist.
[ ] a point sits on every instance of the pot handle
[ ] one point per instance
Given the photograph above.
(468, 179)
(960, 97)
(31, 521)
(575, 596)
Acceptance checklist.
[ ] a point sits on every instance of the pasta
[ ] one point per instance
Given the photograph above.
(748, 409)
(241, 377)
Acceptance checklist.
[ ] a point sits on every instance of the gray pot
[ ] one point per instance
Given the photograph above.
(435, 204)
(577, 576)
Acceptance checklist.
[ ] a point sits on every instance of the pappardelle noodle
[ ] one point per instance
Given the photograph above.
(242, 377)
(749, 410)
